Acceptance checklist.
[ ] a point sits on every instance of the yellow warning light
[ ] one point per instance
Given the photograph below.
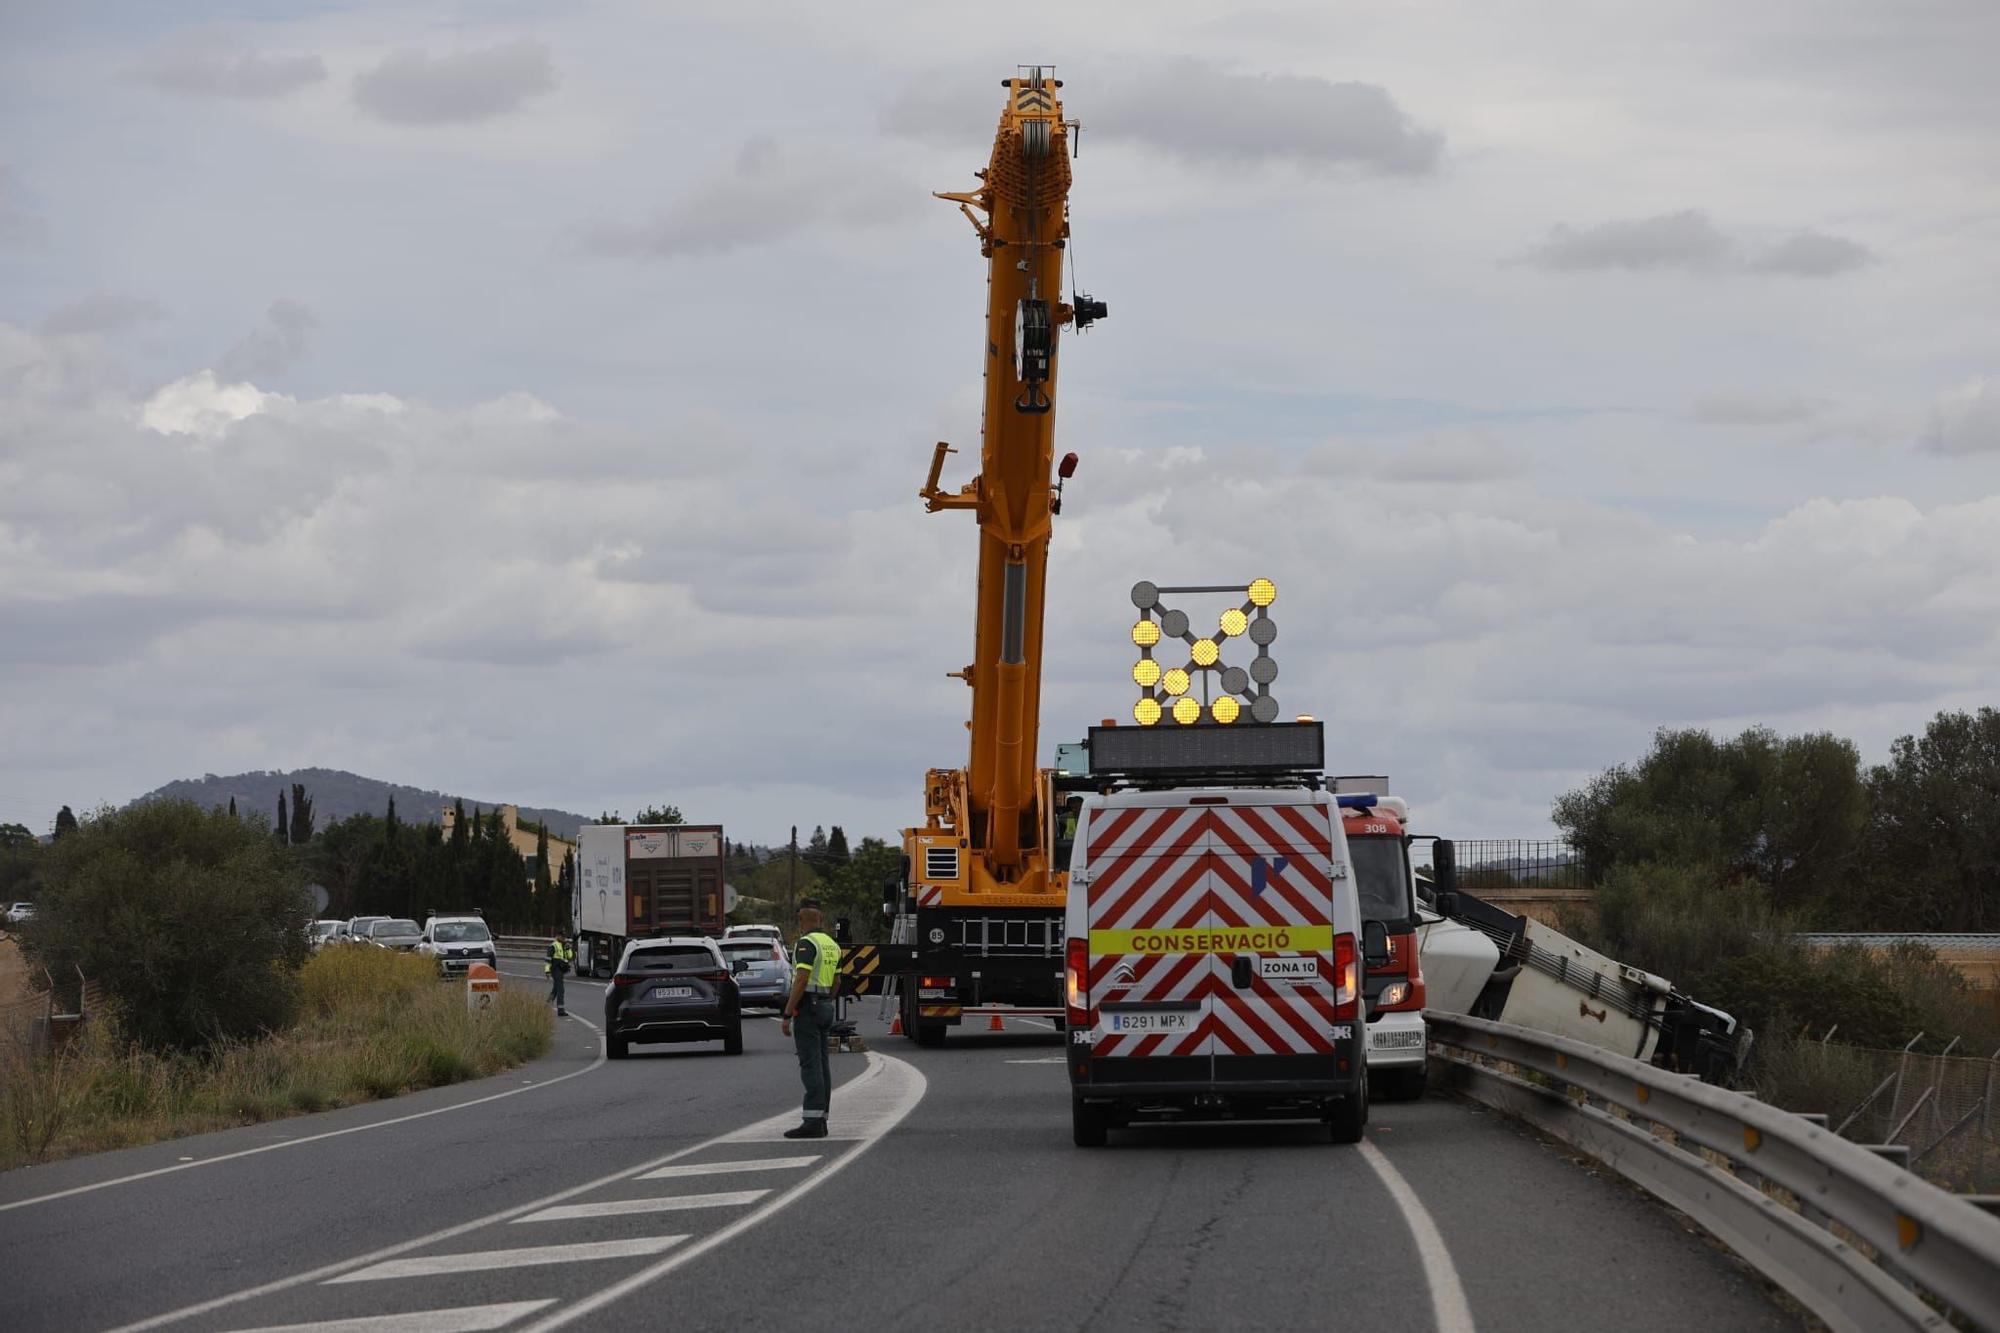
(1225, 709)
(1307, 717)
(1175, 681)
(1263, 592)
(1145, 634)
(1203, 652)
(1145, 673)
(1186, 711)
(1233, 622)
(1146, 712)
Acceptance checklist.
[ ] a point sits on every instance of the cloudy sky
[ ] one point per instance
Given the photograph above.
(530, 400)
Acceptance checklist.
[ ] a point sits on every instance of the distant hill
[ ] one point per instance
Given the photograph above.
(337, 795)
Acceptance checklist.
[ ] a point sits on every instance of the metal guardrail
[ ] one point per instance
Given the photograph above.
(518, 945)
(1866, 1234)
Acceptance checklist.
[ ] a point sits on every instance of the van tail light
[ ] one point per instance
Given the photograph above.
(1076, 993)
(1346, 980)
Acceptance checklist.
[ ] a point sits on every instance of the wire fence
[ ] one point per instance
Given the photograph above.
(1940, 1107)
(1503, 863)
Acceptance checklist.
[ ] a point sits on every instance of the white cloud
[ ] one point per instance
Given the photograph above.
(1689, 241)
(200, 405)
(767, 194)
(415, 88)
(194, 71)
(1967, 419)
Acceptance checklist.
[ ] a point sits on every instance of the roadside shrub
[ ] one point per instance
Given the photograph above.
(192, 920)
(353, 978)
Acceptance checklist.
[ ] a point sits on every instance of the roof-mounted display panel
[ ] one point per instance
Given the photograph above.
(1155, 754)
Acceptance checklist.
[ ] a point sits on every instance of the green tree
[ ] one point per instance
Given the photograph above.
(1934, 844)
(283, 831)
(232, 807)
(65, 823)
(815, 852)
(659, 814)
(302, 815)
(836, 847)
(194, 922)
(1788, 812)
(20, 863)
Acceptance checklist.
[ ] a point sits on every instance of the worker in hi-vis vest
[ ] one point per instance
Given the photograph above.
(809, 1016)
(556, 965)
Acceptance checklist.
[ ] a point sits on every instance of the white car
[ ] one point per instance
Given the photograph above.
(775, 934)
(456, 942)
(19, 912)
(322, 933)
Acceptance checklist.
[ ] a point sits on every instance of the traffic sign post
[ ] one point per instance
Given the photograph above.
(482, 987)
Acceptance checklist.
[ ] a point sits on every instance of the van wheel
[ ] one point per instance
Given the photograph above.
(1400, 1085)
(1087, 1124)
(1349, 1116)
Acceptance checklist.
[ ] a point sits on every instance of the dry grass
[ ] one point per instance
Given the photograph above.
(373, 1024)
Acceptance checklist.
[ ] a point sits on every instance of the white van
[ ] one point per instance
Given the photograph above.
(1213, 961)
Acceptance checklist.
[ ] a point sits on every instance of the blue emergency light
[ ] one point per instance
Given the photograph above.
(1360, 800)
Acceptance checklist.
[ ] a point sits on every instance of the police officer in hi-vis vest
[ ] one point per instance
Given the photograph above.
(556, 965)
(809, 1016)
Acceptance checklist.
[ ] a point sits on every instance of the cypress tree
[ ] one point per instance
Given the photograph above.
(65, 822)
(284, 829)
(302, 815)
(232, 807)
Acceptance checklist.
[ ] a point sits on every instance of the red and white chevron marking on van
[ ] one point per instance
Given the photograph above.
(1187, 867)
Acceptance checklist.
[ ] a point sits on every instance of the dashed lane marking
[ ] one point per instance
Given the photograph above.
(679, 1203)
(464, 1319)
(730, 1168)
(482, 1261)
(1450, 1312)
(879, 1098)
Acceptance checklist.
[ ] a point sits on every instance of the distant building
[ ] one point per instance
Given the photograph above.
(523, 838)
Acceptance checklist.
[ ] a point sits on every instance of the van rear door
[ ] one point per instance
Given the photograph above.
(1147, 866)
(1272, 875)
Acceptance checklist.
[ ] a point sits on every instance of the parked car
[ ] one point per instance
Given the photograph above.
(357, 927)
(762, 977)
(675, 989)
(775, 934)
(19, 912)
(398, 933)
(322, 933)
(457, 941)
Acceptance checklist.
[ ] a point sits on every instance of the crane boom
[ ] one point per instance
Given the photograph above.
(1021, 214)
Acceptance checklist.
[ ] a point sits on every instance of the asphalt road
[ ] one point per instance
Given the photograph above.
(656, 1192)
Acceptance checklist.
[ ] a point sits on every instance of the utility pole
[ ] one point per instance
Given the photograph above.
(792, 879)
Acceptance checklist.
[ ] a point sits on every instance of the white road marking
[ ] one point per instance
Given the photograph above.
(730, 1168)
(1449, 1310)
(907, 1085)
(482, 1261)
(678, 1203)
(880, 1098)
(1045, 1060)
(186, 1164)
(464, 1319)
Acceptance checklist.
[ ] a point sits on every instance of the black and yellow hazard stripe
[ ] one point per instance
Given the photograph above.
(859, 965)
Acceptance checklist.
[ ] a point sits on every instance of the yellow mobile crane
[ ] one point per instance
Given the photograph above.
(981, 909)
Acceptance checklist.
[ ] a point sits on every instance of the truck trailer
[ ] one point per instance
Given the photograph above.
(636, 881)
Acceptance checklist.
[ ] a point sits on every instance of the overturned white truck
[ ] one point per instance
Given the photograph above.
(1489, 963)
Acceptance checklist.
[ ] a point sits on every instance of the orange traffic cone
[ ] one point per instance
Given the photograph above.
(896, 1024)
(995, 1025)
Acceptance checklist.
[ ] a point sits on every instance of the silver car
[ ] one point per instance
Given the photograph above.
(763, 977)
